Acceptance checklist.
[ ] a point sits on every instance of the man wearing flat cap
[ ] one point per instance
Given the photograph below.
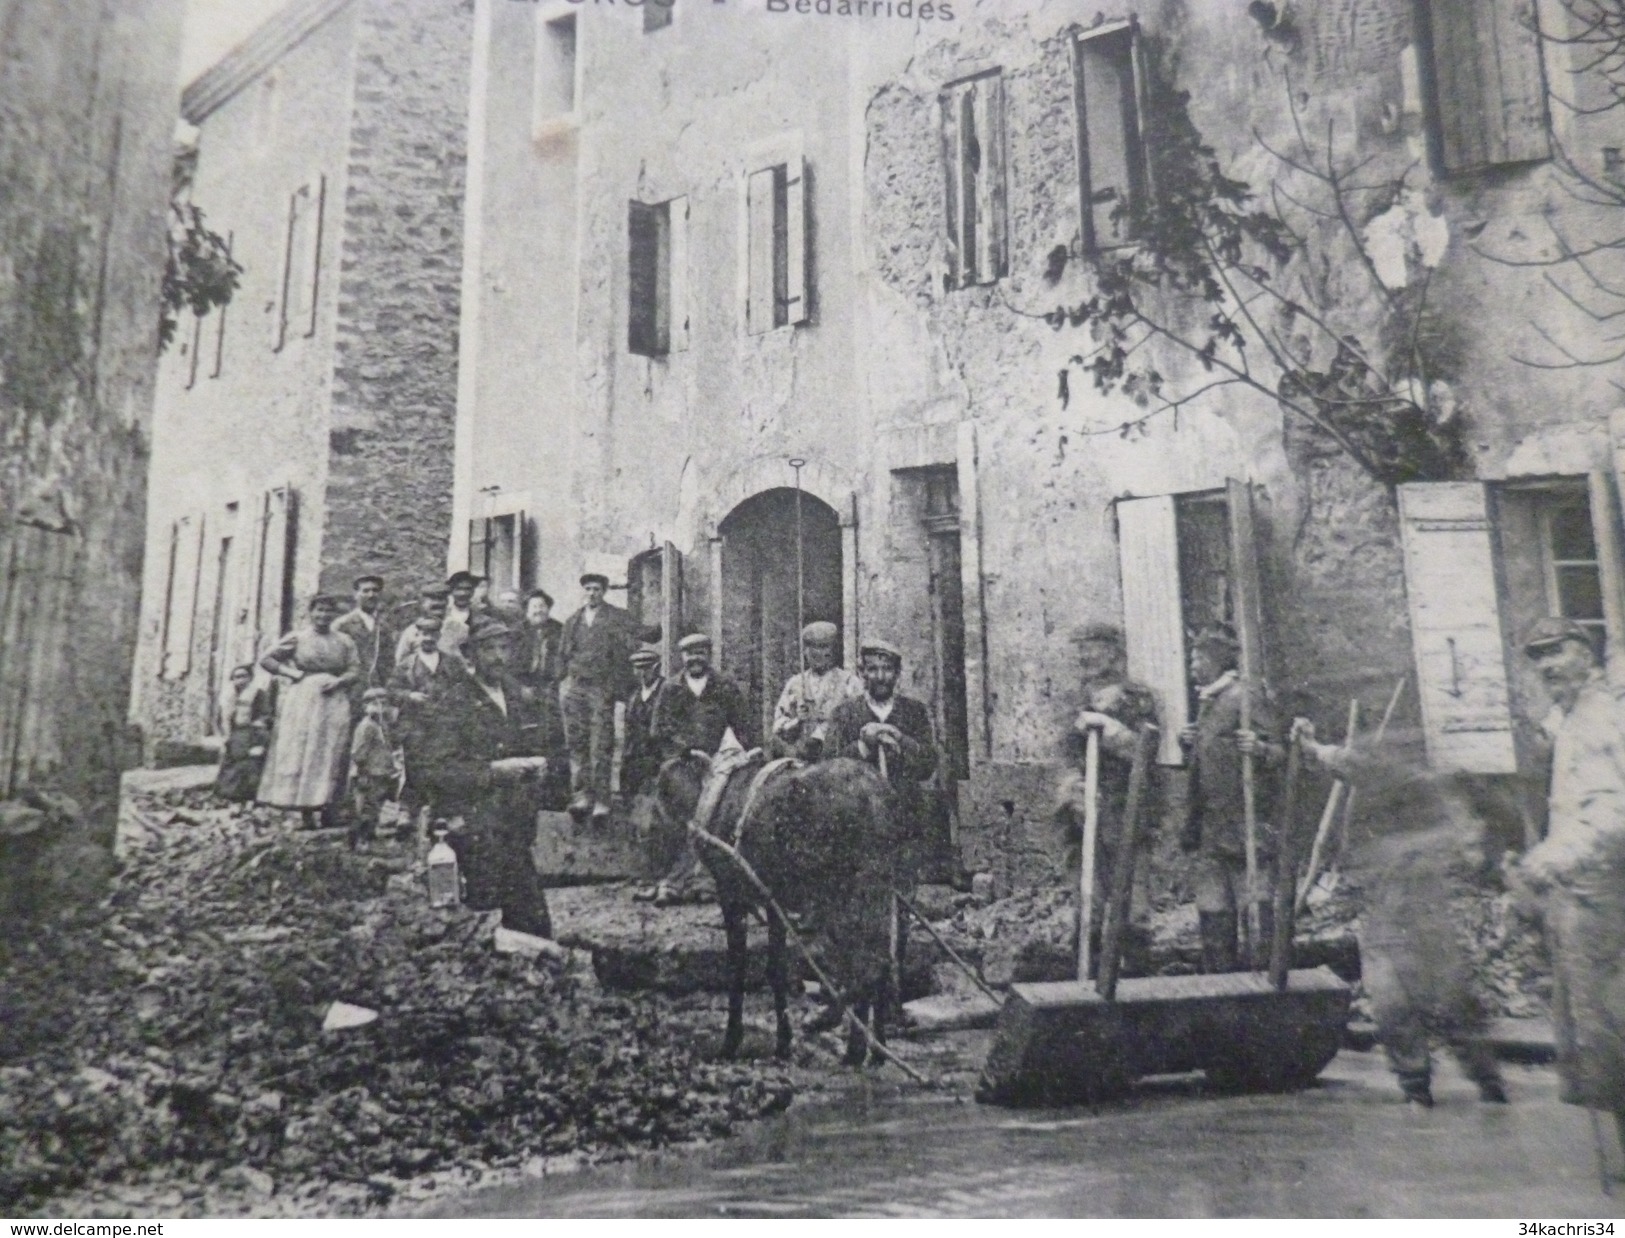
(811, 694)
(1117, 707)
(1577, 873)
(491, 738)
(640, 759)
(462, 608)
(363, 624)
(1215, 816)
(884, 727)
(698, 706)
(595, 652)
(432, 602)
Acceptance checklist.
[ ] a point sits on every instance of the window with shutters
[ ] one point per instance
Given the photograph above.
(180, 610)
(501, 548)
(1551, 560)
(1486, 84)
(1113, 175)
(301, 262)
(973, 162)
(657, 277)
(777, 254)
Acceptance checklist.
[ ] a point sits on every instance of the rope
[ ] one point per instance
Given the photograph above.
(976, 976)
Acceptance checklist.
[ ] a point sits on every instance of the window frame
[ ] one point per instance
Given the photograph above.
(660, 328)
(793, 295)
(1136, 147)
(965, 230)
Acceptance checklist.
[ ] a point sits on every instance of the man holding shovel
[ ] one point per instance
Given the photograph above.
(1218, 749)
(1115, 707)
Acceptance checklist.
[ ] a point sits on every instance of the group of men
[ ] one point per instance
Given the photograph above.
(1420, 859)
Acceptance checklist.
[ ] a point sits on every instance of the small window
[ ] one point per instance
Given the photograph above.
(1549, 554)
(1112, 175)
(1486, 87)
(973, 158)
(301, 267)
(657, 14)
(657, 268)
(556, 68)
(780, 275)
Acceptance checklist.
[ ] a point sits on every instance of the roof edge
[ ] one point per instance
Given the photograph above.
(254, 55)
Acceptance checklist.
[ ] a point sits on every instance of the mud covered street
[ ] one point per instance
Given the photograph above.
(1347, 1148)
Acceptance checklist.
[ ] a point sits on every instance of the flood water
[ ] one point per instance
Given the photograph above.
(1347, 1148)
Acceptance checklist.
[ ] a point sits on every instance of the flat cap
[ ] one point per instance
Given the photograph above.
(329, 599)
(646, 655)
(1553, 630)
(1087, 632)
(875, 644)
(594, 578)
(1221, 635)
(435, 590)
(819, 632)
(488, 630)
(463, 578)
(694, 640)
(375, 694)
(371, 578)
(428, 623)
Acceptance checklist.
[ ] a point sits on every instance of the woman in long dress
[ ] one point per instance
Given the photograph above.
(310, 742)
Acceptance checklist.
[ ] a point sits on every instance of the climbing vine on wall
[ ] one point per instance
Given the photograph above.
(199, 272)
(1314, 294)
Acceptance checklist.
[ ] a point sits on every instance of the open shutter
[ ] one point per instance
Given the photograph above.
(1153, 626)
(1246, 583)
(168, 618)
(289, 246)
(1456, 627)
(990, 189)
(479, 545)
(643, 280)
(953, 168)
(274, 604)
(671, 603)
(1489, 87)
(759, 207)
(189, 536)
(677, 297)
(318, 209)
(1610, 565)
(524, 570)
(798, 268)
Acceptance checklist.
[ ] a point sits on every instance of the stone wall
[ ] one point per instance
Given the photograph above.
(87, 106)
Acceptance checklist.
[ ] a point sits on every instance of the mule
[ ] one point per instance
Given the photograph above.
(827, 841)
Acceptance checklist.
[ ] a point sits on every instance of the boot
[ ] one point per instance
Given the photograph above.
(1417, 1086)
(1218, 930)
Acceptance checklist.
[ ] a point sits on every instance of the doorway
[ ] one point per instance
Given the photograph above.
(760, 636)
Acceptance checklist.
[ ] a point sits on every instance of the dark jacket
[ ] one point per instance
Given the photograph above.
(916, 759)
(374, 646)
(1134, 705)
(470, 731)
(598, 654)
(683, 721)
(536, 653)
(641, 761)
(1215, 813)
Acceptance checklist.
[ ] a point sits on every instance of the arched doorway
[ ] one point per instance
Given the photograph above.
(760, 641)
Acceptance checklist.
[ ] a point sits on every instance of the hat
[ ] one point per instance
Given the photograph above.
(694, 640)
(875, 644)
(428, 623)
(819, 632)
(463, 578)
(1220, 634)
(375, 694)
(646, 655)
(540, 593)
(649, 634)
(1087, 632)
(1552, 630)
(486, 630)
(369, 579)
(329, 599)
(594, 578)
(434, 590)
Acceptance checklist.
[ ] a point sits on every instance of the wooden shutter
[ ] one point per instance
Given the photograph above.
(289, 243)
(181, 625)
(1107, 86)
(524, 553)
(168, 617)
(671, 603)
(1246, 581)
(1456, 627)
(318, 210)
(990, 187)
(953, 168)
(677, 273)
(275, 603)
(760, 207)
(798, 267)
(479, 545)
(643, 262)
(1489, 91)
(1153, 626)
(220, 323)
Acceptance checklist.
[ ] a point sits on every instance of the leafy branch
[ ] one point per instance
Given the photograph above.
(199, 272)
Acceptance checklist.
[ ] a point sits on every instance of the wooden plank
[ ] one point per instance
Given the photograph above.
(1605, 529)
(759, 196)
(1456, 627)
(1153, 622)
(798, 218)
(990, 198)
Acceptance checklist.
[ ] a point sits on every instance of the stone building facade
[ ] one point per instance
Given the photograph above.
(304, 434)
(87, 117)
(760, 269)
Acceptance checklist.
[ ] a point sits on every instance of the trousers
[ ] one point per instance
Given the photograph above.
(589, 733)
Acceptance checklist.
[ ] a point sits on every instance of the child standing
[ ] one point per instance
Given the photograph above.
(374, 775)
(246, 720)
